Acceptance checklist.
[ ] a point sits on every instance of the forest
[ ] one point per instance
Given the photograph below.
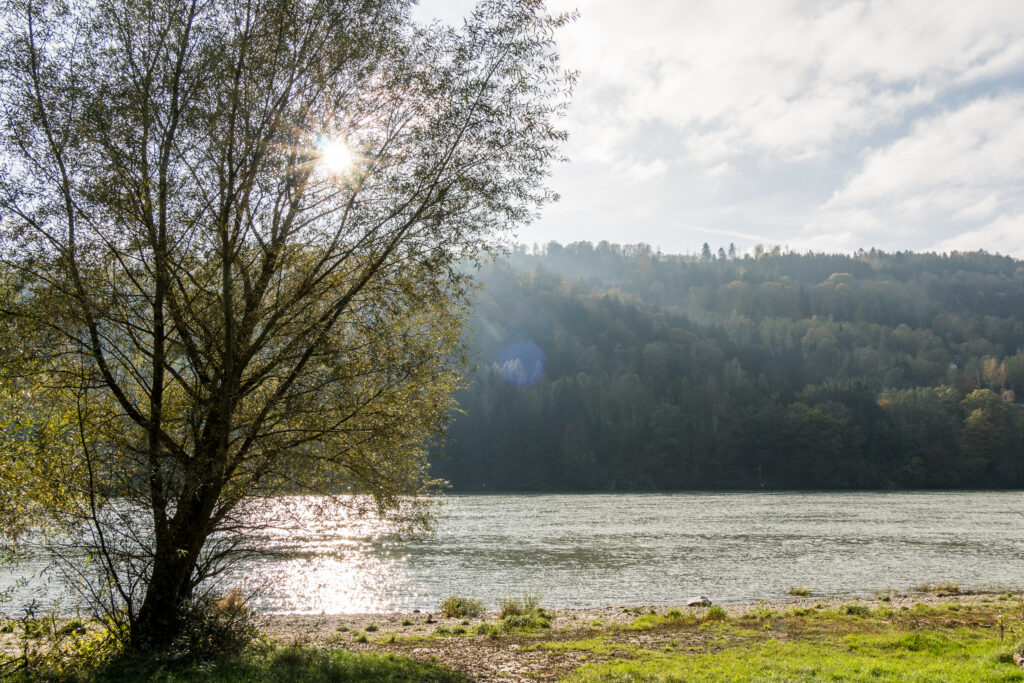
(608, 367)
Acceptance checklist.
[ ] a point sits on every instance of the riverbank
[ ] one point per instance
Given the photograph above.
(953, 637)
(905, 636)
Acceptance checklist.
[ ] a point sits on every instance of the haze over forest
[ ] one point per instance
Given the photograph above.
(614, 367)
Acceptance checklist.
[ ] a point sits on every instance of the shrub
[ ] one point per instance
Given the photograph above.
(525, 613)
(530, 620)
(460, 606)
(215, 628)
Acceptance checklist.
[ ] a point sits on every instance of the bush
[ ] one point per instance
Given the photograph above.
(460, 606)
(523, 613)
(215, 628)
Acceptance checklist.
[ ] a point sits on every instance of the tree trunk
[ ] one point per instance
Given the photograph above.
(161, 617)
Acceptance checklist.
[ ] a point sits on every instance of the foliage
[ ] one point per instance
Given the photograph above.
(789, 371)
(514, 606)
(460, 606)
(524, 613)
(199, 309)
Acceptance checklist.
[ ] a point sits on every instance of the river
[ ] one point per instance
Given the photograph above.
(581, 550)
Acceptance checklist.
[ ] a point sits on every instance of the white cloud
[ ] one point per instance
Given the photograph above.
(785, 79)
(1004, 235)
(948, 175)
(823, 124)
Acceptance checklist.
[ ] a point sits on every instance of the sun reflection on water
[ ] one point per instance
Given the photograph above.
(329, 555)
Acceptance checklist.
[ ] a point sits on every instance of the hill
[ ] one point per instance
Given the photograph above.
(620, 368)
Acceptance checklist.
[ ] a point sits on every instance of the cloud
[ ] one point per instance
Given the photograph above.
(1004, 235)
(951, 173)
(782, 79)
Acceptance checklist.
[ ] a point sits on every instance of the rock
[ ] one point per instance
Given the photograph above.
(1018, 660)
(699, 601)
(430, 619)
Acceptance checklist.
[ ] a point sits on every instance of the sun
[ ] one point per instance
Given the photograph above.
(335, 156)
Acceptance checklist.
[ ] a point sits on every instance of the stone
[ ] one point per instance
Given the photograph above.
(699, 601)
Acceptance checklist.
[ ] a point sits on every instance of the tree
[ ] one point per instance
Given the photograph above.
(235, 230)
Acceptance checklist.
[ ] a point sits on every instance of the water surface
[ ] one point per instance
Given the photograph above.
(581, 550)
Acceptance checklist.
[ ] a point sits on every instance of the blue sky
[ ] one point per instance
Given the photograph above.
(826, 125)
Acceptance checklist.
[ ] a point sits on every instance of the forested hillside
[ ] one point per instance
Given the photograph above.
(609, 368)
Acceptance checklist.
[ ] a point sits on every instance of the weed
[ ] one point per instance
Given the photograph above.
(407, 622)
(674, 613)
(947, 587)
(460, 606)
(716, 612)
(372, 627)
(799, 591)
(342, 628)
(758, 614)
(459, 631)
(853, 609)
(512, 607)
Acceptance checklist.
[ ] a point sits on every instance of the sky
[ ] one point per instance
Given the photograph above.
(826, 125)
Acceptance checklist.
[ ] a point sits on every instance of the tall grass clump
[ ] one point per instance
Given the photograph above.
(799, 591)
(459, 606)
(523, 613)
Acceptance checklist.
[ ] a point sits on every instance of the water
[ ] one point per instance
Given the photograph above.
(581, 550)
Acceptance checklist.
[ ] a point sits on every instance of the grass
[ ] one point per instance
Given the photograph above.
(799, 591)
(850, 643)
(959, 658)
(523, 614)
(460, 606)
(312, 665)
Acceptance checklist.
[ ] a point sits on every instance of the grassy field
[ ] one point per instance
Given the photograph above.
(898, 637)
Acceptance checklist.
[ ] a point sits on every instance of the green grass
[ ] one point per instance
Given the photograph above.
(960, 657)
(460, 606)
(310, 665)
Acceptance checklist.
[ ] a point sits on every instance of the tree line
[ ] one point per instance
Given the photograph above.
(715, 371)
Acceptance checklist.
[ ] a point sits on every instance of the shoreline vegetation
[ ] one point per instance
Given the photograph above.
(927, 633)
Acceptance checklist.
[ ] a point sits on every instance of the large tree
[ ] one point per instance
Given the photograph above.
(232, 236)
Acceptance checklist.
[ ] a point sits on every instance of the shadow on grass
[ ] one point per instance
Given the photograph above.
(294, 663)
